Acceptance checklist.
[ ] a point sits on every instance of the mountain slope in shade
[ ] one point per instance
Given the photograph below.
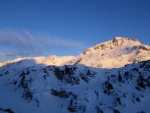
(75, 88)
(111, 54)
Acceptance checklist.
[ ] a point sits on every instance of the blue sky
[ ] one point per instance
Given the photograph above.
(67, 27)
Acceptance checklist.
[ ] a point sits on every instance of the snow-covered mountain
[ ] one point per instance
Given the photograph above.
(111, 54)
(111, 77)
(115, 53)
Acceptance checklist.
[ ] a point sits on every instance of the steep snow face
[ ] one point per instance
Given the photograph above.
(115, 53)
(111, 54)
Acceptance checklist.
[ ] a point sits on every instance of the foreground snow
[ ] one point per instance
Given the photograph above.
(76, 88)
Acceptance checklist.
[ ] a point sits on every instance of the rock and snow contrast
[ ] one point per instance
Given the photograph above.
(111, 77)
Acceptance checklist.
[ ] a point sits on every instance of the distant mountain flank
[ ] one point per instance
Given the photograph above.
(111, 54)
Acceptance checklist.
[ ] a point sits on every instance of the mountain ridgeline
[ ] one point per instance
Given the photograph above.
(111, 77)
(111, 54)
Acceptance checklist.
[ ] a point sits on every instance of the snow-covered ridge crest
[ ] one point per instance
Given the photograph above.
(115, 53)
(50, 60)
(117, 41)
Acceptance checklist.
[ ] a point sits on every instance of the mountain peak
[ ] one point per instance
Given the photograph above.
(115, 53)
(121, 40)
(117, 41)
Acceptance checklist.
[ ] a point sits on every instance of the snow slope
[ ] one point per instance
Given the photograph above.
(76, 88)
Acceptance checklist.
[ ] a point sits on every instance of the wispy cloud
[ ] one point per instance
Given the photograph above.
(23, 43)
(14, 39)
(54, 41)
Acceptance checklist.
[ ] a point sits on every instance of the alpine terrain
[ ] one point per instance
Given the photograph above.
(110, 77)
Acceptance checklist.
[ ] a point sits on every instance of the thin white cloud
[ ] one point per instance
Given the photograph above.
(23, 43)
(54, 41)
(14, 39)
